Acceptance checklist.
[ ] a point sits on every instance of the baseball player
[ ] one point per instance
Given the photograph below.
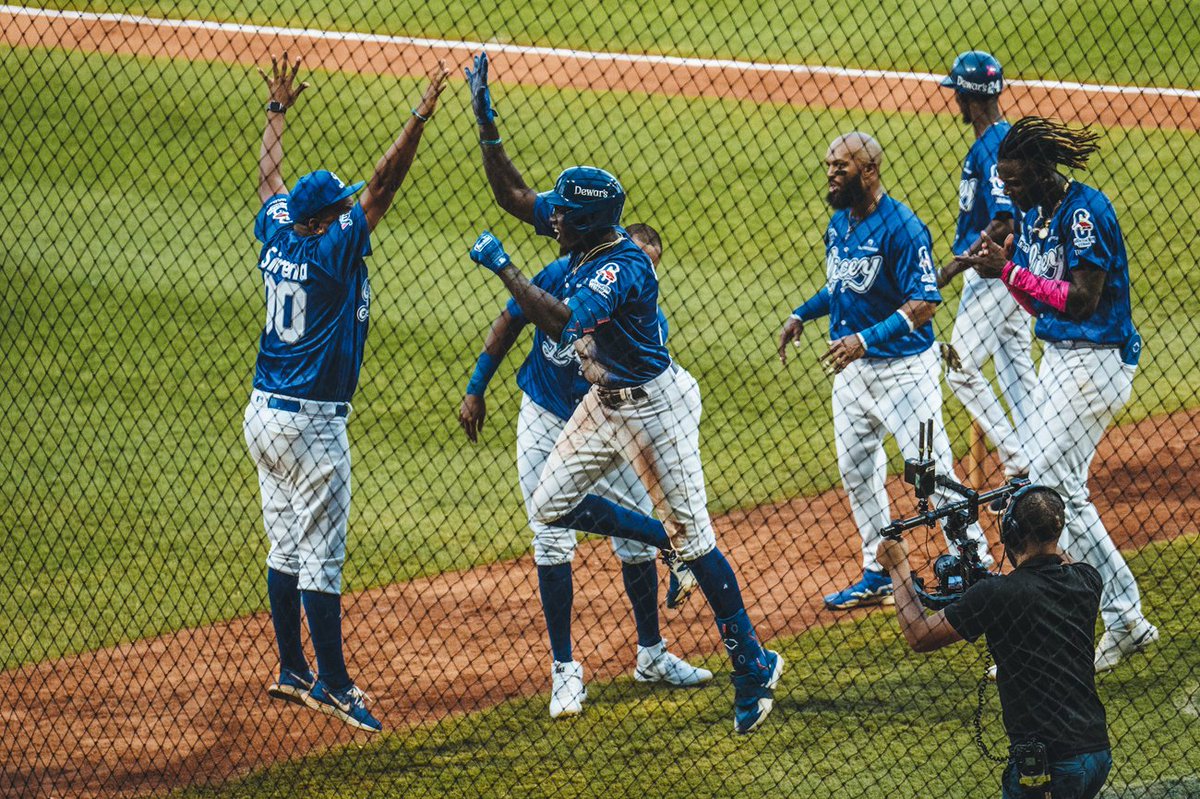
(989, 322)
(642, 409)
(314, 240)
(551, 388)
(1069, 270)
(880, 296)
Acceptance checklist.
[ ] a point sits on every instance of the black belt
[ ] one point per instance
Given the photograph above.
(1075, 344)
(294, 406)
(613, 398)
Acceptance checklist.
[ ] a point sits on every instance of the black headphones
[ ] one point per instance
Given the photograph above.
(1010, 528)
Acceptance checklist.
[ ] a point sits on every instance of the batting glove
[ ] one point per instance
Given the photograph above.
(481, 97)
(489, 253)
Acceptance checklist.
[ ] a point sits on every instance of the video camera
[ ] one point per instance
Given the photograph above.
(961, 568)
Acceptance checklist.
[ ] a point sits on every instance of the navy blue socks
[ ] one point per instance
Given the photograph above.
(741, 642)
(718, 582)
(641, 586)
(284, 596)
(324, 613)
(603, 517)
(558, 593)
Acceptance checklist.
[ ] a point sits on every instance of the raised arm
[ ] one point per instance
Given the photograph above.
(546, 311)
(508, 187)
(282, 92)
(393, 166)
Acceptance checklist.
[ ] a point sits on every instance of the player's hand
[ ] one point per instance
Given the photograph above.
(842, 353)
(471, 414)
(281, 83)
(989, 259)
(481, 96)
(791, 331)
(489, 253)
(893, 555)
(437, 83)
(950, 356)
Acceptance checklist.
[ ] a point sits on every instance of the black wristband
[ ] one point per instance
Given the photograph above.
(419, 115)
(276, 107)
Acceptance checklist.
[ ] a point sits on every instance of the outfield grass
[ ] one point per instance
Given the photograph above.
(1148, 42)
(132, 308)
(857, 715)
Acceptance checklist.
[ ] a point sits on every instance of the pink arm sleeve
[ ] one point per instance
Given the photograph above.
(1051, 292)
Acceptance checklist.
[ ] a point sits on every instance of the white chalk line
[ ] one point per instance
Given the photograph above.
(556, 52)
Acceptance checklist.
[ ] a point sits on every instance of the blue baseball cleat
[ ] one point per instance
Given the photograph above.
(754, 693)
(350, 706)
(680, 581)
(292, 687)
(875, 588)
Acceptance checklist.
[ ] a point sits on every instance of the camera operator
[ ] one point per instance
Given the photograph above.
(1039, 622)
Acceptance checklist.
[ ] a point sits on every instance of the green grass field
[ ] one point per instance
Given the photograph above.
(857, 715)
(132, 310)
(1150, 42)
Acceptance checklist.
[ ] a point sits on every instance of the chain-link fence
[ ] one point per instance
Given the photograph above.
(174, 468)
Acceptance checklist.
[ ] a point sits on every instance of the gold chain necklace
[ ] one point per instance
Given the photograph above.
(1044, 230)
(592, 253)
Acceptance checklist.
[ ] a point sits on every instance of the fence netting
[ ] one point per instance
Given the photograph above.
(145, 479)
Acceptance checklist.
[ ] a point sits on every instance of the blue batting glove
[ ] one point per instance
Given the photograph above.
(481, 97)
(489, 253)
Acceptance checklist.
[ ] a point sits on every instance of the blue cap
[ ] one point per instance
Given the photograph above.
(317, 191)
(976, 72)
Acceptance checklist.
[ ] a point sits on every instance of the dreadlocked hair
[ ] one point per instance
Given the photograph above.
(1048, 144)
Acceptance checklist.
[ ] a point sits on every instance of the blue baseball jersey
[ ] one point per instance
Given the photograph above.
(550, 374)
(617, 291)
(981, 196)
(873, 267)
(318, 305)
(1083, 232)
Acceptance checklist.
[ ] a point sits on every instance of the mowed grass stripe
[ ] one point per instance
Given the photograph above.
(857, 715)
(134, 310)
(1140, 43)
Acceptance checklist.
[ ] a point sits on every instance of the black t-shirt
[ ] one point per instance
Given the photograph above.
(1040, 625)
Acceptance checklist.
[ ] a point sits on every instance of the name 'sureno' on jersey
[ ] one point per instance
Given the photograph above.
(273, 263)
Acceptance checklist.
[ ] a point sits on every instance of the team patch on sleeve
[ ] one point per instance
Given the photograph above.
(997, 184)
(1083, 229)
(605, 278)
(928, 272)
(278, 211)
(345, 221)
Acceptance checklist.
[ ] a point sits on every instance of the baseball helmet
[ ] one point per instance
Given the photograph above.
(976, 72)
(1010, 528)
(592, 199)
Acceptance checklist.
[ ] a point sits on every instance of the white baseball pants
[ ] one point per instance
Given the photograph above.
(537, 430)
(990, 324)
(1079, 391)
(873, 397)
(303, 461)
(659, 436)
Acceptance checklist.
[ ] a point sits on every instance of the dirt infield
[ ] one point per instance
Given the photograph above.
(189, 707)
(858, 90)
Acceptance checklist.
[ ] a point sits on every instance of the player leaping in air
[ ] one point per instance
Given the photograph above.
(880, 295)
(642, 408)
(552, 387)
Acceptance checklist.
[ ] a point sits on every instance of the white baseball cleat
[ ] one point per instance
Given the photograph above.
(567, 691)
(656, 664)
(1115, 645)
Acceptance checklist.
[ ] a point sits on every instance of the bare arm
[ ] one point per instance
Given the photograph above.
(508, 186)
(549, 313)
(472, 411)
(1087, 284)
(281, 90)
(847, 349)
(394, 165)
(923, 633)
